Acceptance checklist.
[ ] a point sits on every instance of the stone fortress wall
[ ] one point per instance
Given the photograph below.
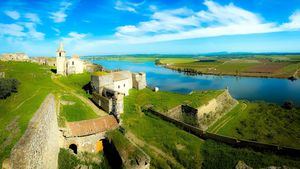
(39, 146)
(208, 113)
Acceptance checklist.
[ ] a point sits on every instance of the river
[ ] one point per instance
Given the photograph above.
(249, 88)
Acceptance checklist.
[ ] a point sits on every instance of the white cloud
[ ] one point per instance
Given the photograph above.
(33, 17)
(13, 14)
(74, 37)
(60, 15)
(12, 30)
(184, 23)
(77, 35)
(123, 5)
(21, 30)
(294, 21)
(32, 32)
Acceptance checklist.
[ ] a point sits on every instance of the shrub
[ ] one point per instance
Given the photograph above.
(8, 86)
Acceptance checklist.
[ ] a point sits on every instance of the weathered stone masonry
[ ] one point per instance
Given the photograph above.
(39, 146)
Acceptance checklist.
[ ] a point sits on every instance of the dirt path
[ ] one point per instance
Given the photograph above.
(156, 150)
(83, 99)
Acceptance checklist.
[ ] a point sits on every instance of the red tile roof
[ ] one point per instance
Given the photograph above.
(93, 126)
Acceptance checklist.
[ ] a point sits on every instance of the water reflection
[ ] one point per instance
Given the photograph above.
(267, 89)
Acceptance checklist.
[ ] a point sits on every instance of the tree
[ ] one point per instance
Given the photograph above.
(7, 86)
(288, 105)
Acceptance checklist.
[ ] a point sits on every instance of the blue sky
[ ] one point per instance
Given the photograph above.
(102, 27)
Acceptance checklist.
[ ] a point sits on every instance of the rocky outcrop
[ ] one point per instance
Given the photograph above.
(39, 146)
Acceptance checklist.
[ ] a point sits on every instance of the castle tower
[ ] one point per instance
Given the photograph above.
(61, 60)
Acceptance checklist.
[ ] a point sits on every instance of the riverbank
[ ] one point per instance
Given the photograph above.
(263, 66)
(248, 67)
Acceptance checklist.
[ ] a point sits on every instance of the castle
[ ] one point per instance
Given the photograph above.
(110, 89)
(66, 66)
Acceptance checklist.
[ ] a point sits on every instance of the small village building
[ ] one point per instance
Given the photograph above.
(14, 57)
(110, 88)
(66, 66)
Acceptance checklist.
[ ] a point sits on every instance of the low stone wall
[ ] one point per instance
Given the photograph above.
(39, 146)
(229, 140)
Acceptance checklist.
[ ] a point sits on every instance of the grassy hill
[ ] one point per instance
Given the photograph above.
(35, 84)
(171, 147)
(263, 122)
(18, 109)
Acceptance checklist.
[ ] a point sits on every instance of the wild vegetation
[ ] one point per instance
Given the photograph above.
(217, 155)
(171, 147)
(8, 86)
(263, 122)
(66, 159)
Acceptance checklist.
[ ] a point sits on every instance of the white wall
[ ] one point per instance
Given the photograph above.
(123, 86)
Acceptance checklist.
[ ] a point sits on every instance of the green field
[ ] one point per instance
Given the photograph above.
(181, 149)
(75, 109)
(271, 66)
(263, 122)
(35, 84)
(76, 82)
(163, 101)
(18, 109)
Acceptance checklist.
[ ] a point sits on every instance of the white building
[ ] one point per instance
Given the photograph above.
(66, 66)
(121, 81)
(110, 89)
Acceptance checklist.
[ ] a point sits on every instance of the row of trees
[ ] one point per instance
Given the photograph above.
(8, 86)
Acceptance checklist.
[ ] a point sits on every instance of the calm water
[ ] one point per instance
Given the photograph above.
(266, 89)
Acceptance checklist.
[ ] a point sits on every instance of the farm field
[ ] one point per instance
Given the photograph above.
(171, 147)
(263, 122)
(276, 66)
(259, 66)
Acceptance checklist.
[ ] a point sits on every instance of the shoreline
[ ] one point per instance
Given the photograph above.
(193, 72)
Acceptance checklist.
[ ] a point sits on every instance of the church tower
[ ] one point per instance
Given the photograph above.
(61, 60)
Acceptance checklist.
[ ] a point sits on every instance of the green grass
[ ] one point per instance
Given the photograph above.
(125, 148)
(263, 122)
(18, 109)
(159, 133)
(217, 155)
(242, 66)
(230, 118)
(77, 82)
(163, 101)
(67, 160)
(188, 150)
(76, 110)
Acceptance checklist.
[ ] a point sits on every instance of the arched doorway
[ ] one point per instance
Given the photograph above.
(73, 147)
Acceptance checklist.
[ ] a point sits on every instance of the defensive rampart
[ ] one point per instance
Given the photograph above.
(39, 146)
(228, 140)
